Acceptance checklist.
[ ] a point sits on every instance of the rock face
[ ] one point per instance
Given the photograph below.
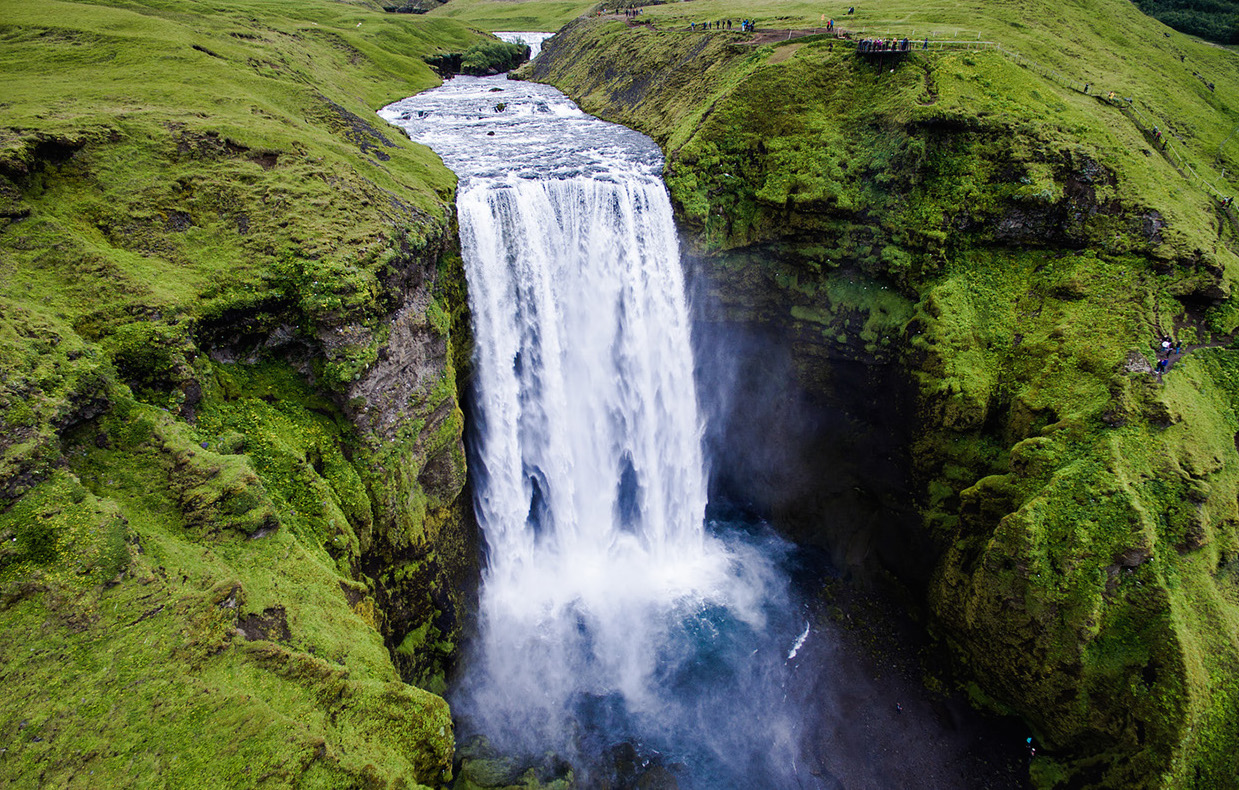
(235, 542)
(931, 296)
(805, 426)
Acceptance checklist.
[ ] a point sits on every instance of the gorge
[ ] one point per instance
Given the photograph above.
(608, 614)
(237, 362)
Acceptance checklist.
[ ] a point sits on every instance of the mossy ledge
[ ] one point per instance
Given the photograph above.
(1011, 249)
(233, 540)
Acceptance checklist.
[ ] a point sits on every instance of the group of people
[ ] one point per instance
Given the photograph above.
(884, 45)
(632, 13)
(746, 25)
(1169, 347)
(721, 25)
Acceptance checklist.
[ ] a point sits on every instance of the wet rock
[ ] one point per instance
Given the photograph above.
(271, 625)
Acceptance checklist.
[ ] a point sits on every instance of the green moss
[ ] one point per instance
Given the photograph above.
(62, 535)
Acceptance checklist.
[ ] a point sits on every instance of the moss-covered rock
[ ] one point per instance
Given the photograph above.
(492, 58)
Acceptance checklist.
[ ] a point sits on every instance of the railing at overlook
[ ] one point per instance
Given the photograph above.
(1127, 105)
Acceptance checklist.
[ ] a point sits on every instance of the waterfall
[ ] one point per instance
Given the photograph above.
(533, 40)
(605, 601)
(593, 498)
(591, 437)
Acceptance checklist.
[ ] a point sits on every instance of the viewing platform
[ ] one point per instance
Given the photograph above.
(884, 48)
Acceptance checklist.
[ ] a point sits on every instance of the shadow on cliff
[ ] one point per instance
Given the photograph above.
(808, 432)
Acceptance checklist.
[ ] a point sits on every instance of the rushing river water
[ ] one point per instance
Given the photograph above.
(615, 618)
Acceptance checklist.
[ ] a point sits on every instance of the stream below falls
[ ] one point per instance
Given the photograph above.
(631, 630)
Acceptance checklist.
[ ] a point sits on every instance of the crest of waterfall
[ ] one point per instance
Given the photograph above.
(590, 486)
(533, 40)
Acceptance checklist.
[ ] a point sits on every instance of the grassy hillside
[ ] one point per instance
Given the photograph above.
(230, 460)
(1017, 246)
(532, 15)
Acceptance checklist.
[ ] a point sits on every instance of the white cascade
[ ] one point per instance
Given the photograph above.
(534, 40)
(590, 484)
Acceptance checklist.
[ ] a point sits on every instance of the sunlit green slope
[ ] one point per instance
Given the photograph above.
(230, 453)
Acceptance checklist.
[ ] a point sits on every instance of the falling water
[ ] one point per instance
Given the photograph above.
(608, 610)
(533, 40)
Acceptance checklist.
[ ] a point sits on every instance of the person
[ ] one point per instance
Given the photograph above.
(1178, 347)
(1086, 87)
(926, 43)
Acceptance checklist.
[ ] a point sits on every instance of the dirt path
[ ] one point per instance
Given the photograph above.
(1197, 325)
(756, 38)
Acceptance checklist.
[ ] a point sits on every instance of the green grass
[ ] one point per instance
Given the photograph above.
(1111, 46)
(525, 15)
(204, 233)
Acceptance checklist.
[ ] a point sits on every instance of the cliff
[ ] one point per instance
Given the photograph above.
(234, 538)
(965, 259)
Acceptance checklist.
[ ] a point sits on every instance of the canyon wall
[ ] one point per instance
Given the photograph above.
(236, 542)
(932, 288)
